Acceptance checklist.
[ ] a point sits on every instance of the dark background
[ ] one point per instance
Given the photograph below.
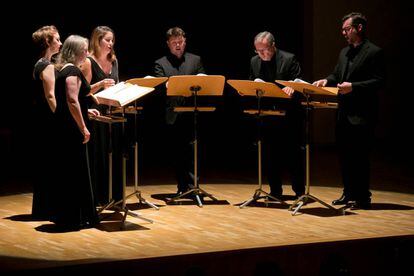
(223, 37)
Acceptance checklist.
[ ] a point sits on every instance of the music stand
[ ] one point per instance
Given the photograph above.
(195, 86)
(108, 120)
(308, 90)
(121, 95)
(146, 82)
(259, 90)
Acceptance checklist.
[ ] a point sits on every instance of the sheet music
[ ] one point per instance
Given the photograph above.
(299, 85)
(122, 94)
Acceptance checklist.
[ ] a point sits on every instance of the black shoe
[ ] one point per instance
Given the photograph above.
(361, 204)
(343, 200)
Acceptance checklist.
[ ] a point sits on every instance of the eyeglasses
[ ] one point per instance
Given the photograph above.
(261, 51)
(347, 28)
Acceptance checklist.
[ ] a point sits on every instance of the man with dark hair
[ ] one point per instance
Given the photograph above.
(359, 75)
(179, 62)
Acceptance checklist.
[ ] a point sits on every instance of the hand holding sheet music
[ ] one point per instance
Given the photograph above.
(300, 85)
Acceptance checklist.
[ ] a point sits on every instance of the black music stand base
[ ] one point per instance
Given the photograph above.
(120, 207)
(302, 200)
(137, 192)
(196, 193)
(106, 206)
(258, 195)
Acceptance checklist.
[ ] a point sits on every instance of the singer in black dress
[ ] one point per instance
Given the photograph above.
(47, 40)
(75, 206)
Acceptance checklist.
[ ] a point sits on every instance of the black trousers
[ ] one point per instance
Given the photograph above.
(354, 146)
(283, 151)
(181, 135)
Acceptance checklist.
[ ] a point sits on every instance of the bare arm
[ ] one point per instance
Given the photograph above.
(86, 69)
(48, 78)
(73, 84)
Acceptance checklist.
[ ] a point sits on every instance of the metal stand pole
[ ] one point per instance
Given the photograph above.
(110, 199)
(259, 193)
(121, 204)
(136, 191)
(304, 198)
(196, 191)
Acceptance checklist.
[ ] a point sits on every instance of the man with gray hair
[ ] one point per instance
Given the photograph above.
(283, 136)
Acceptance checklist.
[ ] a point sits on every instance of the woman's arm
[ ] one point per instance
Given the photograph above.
(73, 84)
(48, 78)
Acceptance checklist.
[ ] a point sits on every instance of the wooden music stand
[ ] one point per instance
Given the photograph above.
(120, 95)
(145, 82)
(195, 86)
(108, 119)
(308, 90)
(259, 90)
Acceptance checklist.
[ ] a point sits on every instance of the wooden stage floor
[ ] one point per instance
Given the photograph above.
(187, 229)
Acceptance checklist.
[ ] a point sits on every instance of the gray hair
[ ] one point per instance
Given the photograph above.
(265, 35)
(72, 48)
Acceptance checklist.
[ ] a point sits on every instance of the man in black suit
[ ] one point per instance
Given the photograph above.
(359, 75)
(179, 62)
(283, 137)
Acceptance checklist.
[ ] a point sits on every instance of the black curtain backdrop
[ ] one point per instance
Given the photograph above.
(223, 37)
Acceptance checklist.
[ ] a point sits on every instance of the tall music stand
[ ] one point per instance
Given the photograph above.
(120, 96)
(195, 86)
(259, 90)
(146, 82)
(308, 90)
(109, 120)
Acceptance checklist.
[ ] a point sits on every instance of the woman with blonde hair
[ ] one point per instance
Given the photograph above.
(75, 208)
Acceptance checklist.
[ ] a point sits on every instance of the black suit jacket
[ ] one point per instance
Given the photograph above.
(170, 65)
(287, 67)
(367, 75)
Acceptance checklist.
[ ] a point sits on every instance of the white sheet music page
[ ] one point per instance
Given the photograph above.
(122, 94)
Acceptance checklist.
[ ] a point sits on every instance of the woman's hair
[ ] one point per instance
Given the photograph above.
(43, 37)
(72, 48)
(97, 35)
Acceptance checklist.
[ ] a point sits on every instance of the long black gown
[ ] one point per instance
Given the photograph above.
(99, 145)
(43, 146)
(75, 206)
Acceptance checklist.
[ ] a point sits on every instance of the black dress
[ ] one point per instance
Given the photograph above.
(75, 205)
(43, 146)
(99, 144)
